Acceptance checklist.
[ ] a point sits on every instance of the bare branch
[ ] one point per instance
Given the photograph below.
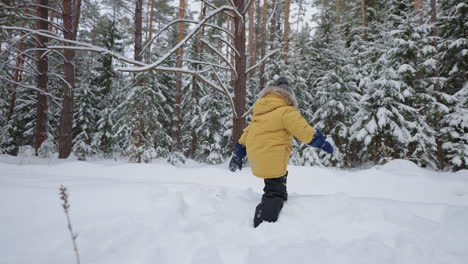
(48, 7)
(215, 7)
(220, 55)
(62, 79)
(54, 99)
(227, 92)
(247, 7)
(23, 69)
(262, 61)
(227, 43)
(186, 21)
(31, 17)
(247, 112)
(181, 43)
(206, 63)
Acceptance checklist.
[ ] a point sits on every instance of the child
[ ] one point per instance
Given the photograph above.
(267, 143)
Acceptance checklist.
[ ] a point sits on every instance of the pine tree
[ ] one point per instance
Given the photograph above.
(85, 121)
(456, 131)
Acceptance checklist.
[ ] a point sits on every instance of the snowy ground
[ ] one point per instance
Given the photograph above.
(156, 213)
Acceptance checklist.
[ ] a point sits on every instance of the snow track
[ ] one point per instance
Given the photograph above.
(155, 213)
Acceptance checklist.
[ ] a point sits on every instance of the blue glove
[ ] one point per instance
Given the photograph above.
(319, 141)
(237, 160)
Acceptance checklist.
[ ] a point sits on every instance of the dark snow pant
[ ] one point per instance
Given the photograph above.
(275, 193)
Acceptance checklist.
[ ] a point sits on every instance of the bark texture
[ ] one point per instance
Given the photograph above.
(71, 17)
(40, 133)
(16, 78)
(251, 34)
(286, 29)
(178, 95)
(241, 81)
(263, 48)
(363, 19)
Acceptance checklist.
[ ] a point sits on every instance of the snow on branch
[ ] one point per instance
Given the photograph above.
(247, 112)
(181, 43)
(220, 55)
(206, 63)
(48, 7)
(232, 3)
(56, 100)
(227, 43)
(31, 17)
(226, 92)
(262, 61)
(215, 7)
(247, 7)
(186, 21)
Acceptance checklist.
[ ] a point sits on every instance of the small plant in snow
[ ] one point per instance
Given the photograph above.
(66, 206)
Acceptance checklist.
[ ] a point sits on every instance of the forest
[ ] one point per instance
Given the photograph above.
(176, 79)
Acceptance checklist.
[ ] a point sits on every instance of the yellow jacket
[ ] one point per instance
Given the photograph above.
(268, 137)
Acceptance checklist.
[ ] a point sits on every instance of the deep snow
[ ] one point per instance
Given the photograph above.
(157, 213)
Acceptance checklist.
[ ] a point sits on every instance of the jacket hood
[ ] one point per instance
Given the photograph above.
(288, 94)
(268, 103)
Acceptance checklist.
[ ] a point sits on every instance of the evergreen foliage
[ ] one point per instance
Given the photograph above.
(393, 89)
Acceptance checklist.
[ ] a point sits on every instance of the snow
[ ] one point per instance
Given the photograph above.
(157, 213)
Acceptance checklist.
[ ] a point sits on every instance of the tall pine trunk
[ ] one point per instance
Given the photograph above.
(286, 30)
(150, 27)
(137, 132)
(240, 82)
(437, 119)
(338, 12)
(66, 114)
(263, 48)
(273, 26)
(16, 78)
(178, 95)
(198, 50)
(363, 19)
(40, 133)
(70, 25)
(418, 10)
(251, 34)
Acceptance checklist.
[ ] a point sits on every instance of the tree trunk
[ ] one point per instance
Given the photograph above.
(241, 81)
(150, 27)
(16, 78)
(76, 18)
(66, 115)
(273, 27)
(137, 132)
(42, 67)
(251, 34)
(52, 15)
(418, 10)
(138, 26)
(198, 50)
(263, 48)
(437, 119)
(363, 19)
(178, 95)
(338, 12)
(286, 30)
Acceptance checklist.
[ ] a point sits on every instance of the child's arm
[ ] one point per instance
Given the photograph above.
(243, 138)
(299, 128)
(240, 152)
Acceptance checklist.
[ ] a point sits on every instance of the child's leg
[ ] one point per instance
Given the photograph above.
(276, 188)
(272, 200)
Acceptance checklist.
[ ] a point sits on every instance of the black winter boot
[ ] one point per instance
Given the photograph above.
(268, 210)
